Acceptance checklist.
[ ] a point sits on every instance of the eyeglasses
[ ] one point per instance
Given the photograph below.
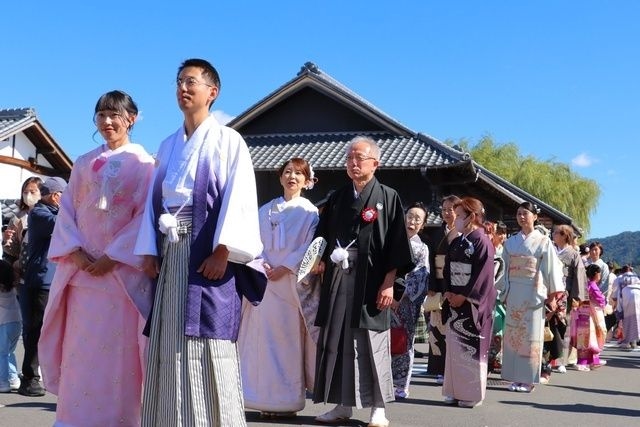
(413, 218)
(103, 115)
(359, 158)
(190, 82)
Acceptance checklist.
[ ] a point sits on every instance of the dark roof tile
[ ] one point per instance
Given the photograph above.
(327, 150)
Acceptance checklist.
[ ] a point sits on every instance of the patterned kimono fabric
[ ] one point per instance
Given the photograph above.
(408, 313)
(91, 346)
(591, 328)
(437, 338)
(629, 306)
(532, 272)
(469, 326)
(210, 367)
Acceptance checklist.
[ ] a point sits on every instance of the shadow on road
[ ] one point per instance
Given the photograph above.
(44, 406)
(579, 408)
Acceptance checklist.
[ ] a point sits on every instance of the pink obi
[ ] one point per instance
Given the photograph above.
(522, 266)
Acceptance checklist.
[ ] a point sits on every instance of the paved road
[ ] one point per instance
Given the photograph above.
(606, 397)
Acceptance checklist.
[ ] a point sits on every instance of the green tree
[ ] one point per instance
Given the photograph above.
(551, 181)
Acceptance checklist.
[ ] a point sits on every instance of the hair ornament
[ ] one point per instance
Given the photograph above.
(312, 179)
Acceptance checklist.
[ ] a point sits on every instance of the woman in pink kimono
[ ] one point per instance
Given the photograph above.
(91, 348)
(277, 340)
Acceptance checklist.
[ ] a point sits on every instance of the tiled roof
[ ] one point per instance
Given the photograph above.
(327, 150)
(14, 119)
(9, 210)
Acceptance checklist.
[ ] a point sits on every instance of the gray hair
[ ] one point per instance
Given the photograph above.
(374, 150)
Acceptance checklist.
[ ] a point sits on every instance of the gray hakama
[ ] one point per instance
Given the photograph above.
(354, 364)
(190, 381)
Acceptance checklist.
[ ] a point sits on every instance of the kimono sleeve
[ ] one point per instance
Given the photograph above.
(121, 247)
(482, 272)
(502, 285)
(551, 269)
(238, 227)
(292, 261)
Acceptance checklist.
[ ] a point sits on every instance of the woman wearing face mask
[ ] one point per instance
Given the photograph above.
(15, 248)
(470, 296)
(91, 347)
(533, 278)
(14, 237)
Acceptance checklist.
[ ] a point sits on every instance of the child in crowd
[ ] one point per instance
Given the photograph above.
(10, 329)
(591, 329)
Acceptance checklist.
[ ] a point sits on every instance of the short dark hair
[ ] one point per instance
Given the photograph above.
(419, 205)
(592, 270)
(597, 245)
(208, 70)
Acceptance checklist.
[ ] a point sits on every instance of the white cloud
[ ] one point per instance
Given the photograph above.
(222, 117)
(583, 160)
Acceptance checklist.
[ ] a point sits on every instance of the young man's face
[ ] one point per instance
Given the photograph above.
(193, 91)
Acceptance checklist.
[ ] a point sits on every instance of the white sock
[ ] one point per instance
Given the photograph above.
(377, 413)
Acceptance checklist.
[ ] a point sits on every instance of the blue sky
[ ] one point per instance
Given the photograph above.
(559, 79)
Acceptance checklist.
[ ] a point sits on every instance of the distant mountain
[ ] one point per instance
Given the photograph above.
(623, 248)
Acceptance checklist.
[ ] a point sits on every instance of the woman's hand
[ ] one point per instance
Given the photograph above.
(277, 273)
(318, 268)
(150, 266)
(7, 235)
(101, 266)
(81, 259)
(455, 300)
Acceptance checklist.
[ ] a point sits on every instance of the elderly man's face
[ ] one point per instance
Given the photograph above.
(360, 165)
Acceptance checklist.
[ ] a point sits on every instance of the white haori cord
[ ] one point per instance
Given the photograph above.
(340, 254)
(168, 223)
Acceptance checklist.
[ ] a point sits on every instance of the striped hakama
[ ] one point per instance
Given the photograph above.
(190, 381)
(354, 365)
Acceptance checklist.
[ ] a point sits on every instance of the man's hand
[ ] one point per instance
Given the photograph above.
(150, 266)
(385, 293)
(214, 266)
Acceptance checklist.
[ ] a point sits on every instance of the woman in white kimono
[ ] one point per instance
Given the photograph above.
(277, 341)
(533, 277)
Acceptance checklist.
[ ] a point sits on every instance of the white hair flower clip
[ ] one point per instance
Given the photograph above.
(312, 179)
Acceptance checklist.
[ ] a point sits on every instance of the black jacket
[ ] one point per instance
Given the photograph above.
(39, 270)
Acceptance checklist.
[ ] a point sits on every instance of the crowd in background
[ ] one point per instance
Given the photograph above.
(203, 304)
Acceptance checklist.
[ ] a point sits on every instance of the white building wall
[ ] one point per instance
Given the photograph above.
(12, 177)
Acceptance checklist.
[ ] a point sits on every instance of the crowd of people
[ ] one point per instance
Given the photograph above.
(168, 272)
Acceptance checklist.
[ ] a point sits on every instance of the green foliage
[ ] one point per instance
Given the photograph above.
(551, 181)
(623, 248)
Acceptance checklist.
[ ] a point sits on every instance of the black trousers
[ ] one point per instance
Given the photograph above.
(32, 304)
